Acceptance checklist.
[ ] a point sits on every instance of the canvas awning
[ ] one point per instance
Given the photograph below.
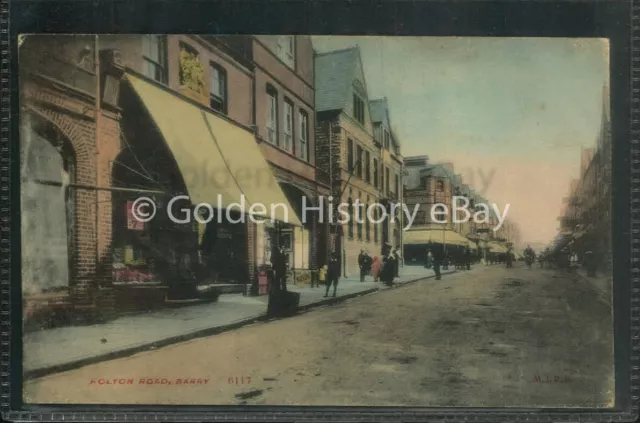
(219, 161)
(497, 248)
(434, 236)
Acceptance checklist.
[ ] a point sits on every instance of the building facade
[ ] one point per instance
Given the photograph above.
(285, 121)
(391, 170)
(348, 149)
(107, 119)
(585, 220)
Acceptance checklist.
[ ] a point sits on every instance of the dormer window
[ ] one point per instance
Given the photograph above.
(285, 49)
(386, 139)
(358, 108)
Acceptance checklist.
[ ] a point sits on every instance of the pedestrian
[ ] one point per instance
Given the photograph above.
(362, 262)
(438, 256)
(375, 268)
(333, 274)
(398, 257)
(280, 268)
(428, 259)
(322, 275)
(467, 258)
(368, 263)
(388, 267)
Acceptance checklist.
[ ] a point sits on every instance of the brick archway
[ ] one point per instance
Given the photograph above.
(77, 133)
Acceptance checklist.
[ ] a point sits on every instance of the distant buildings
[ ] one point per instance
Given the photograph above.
(434, 185)
(585, 221)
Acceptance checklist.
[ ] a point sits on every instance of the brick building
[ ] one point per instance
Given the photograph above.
(349, 145)
(391, 169)
(175, 115)
(66, 221)
(285, 121)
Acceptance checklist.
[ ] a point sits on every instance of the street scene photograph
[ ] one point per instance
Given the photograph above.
(316, 220)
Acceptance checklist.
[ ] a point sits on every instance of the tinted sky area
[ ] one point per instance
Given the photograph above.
(511, 114)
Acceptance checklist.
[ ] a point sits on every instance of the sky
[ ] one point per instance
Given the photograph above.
(511, 114)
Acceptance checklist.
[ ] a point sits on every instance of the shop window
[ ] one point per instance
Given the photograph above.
(288, 126)
(154, 54)
(218, 88)
(272, 115)
(303, 147)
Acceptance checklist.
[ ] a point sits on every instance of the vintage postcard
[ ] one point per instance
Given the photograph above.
(316, 220)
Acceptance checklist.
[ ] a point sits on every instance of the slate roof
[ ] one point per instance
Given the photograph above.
(436, 170)
(335, 72)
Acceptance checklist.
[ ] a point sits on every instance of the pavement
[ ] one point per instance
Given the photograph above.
(601, 282)
(489, 337)
(64, 348)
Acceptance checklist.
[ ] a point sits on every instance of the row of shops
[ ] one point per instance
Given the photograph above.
(87, 241)
(418, 242)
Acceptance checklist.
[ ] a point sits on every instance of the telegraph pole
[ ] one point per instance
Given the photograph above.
(340, 229)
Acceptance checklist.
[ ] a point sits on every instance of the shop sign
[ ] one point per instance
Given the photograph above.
(133, 223)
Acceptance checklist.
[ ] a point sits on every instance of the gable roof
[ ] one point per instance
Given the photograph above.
(335, 72)
(380, 114)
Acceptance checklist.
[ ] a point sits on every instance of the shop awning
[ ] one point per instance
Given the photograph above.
(434, 236)
(497, 248)
(219, 161)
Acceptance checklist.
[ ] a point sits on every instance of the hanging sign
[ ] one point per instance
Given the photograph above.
(133, 223)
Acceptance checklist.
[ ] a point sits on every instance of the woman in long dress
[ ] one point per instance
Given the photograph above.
(375, 268)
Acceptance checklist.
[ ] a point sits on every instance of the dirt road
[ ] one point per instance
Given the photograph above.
(491, 337)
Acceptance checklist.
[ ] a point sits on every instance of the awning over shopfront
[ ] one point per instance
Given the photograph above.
(219, 161)
(434, 236)
(494, 247)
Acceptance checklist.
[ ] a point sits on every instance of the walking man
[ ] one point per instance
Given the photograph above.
(333, 274)
(362, 264)
(438, 256)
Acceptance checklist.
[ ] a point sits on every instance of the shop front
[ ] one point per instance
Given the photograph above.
(295, 241)
(208, 181)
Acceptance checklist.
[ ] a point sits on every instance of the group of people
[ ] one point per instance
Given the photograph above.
(437, 258)
(386, 268)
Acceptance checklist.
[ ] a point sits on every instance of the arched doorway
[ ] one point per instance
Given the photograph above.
(47, 167)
